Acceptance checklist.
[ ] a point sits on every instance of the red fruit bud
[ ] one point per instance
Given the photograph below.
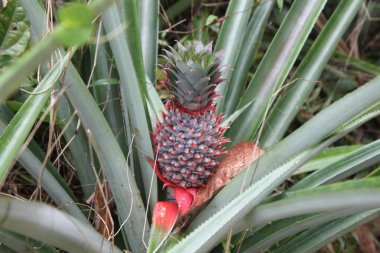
(165, 215)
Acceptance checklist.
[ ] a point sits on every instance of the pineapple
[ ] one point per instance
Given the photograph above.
(188, 141)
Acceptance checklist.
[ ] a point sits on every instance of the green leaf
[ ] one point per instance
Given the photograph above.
(230, 39)
(327, 157)
(275, 66)
(23, 244)
(12, 139)
(134, 38)
(317, 129)
(131, 211)
(314, 238)
(258, 239)
(11, 79)
(308, 72)
(231, 119)
(76, 24)
(105, 82)
(48, 224)
(251, 43)
(350, 164)
(149, 13)
(354, 195)
(14, 31)
(210, 19)
(280, 4)
(132, 101)
(359, 64)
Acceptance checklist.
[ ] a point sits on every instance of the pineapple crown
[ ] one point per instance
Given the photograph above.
(192, 74)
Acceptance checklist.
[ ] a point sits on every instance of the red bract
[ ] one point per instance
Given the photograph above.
(185, 198)
(165, 215)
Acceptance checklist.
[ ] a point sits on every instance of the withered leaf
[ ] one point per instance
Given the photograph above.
(237, 159)
(103, 205)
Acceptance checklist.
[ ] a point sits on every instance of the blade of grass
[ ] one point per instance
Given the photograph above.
(108, 97)
(249, 47)
(275, 66)
(47, 224)
(76, 137)
(278, 230)
(155, 103)
(113, 164)
(308, 72)
(15, 74)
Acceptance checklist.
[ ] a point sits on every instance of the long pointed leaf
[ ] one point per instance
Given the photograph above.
(17, 131)
(355, 195)
(313, 239)
(52, 226)
(132, 102)
(308, 72)
(316, 130)
(49, 182)
(249, 48)
(129, 204)
(23, 244)
(352, 163)
(230, 38)
(275, 67)
(149, 13)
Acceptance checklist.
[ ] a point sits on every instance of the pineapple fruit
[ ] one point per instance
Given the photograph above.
(188, 141)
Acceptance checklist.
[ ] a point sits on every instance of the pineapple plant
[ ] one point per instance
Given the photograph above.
(188, 141)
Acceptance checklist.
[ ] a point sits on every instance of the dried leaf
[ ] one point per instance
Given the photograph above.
(366, 238)
(237, 158)
(103, 220)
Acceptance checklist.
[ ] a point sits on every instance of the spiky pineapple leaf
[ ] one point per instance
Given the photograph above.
(327, 157)
(346, 166)
(14, 31)
(314, 238)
